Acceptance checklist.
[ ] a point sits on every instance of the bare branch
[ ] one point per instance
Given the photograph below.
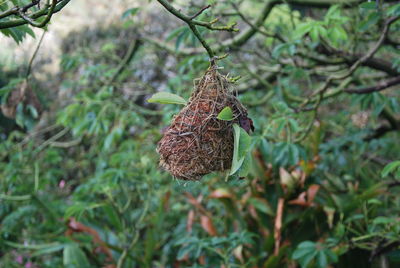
(380, 86)
(200, 12)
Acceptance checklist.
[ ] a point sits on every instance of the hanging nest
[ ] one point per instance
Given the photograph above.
(23, 94)
(197, 142)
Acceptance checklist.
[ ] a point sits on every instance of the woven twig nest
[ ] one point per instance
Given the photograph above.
(23, 94)
(197, 142)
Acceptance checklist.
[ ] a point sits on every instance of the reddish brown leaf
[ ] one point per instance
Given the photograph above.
(202, 260)
(278, 225)
(312, 192)
(208, 225)
(253, 212)
(190, 220)
(165, 200)
(300, 200)
(77, 227)
(196, 202)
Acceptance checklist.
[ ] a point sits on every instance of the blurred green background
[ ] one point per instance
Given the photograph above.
(80, 184)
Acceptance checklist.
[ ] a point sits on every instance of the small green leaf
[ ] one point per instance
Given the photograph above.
(372, 19)
(245, 168)
(50, 249)
(33, 111)
(73, 256)
(261, 205)
(226, 114)
(167, 98)
(322, 259)
(390, 168)
(368, 5)
(394, 10)
(241, 146)
(130, 12)
(302, 29)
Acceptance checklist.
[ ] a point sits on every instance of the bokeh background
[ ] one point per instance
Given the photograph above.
(80, 184)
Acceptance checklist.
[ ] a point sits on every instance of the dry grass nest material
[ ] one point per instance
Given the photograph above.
(197, 142)
(23, 94)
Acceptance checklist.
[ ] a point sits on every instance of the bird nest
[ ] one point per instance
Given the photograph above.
(197, 142)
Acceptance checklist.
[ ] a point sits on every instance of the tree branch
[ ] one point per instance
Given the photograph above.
(235, 42)
(133, 48)
(46, 19)
(200, 12)
(380, 86)
(189, 20)
(43, 12)
(193, 23)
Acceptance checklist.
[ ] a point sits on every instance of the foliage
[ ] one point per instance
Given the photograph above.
(315, 185)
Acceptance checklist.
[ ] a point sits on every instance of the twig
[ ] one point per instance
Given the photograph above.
(133, 48)
(193, 23)
(52, 139)
(43, 12)
(32, 22)
(354, 67)
(380, 86)
(28, 71)
(15, 197)
(189, 20)
(254, 27)
(124, 254)
(231, 43)
(199, 12)
(65, 144)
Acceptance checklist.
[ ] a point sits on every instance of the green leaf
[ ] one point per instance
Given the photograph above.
(322, 259)
(236, 161)
(306, 259)
(368, 5)
(19, 117)
(394, 10)
(389, 168)
(73, 256)
(372, 19)
(50, 249)
(317, 31)
(175, 33)
(245, 168)
(383, 220)
(261, 205)
(33, 111)
(167, 98)
(302, 29)
(241, 146)
(226, 114)
(112, 215)
(130, 12)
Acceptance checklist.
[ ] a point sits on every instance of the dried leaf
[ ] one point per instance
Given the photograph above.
(278, 225)
(221, 193)
(286, 178)
(312, 192)
(77, 227)
(190, 221)
(208, 225)
(300, 200)
(238, 253)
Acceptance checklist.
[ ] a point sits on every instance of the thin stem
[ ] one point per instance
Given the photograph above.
(28, 71)
(192, 23)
